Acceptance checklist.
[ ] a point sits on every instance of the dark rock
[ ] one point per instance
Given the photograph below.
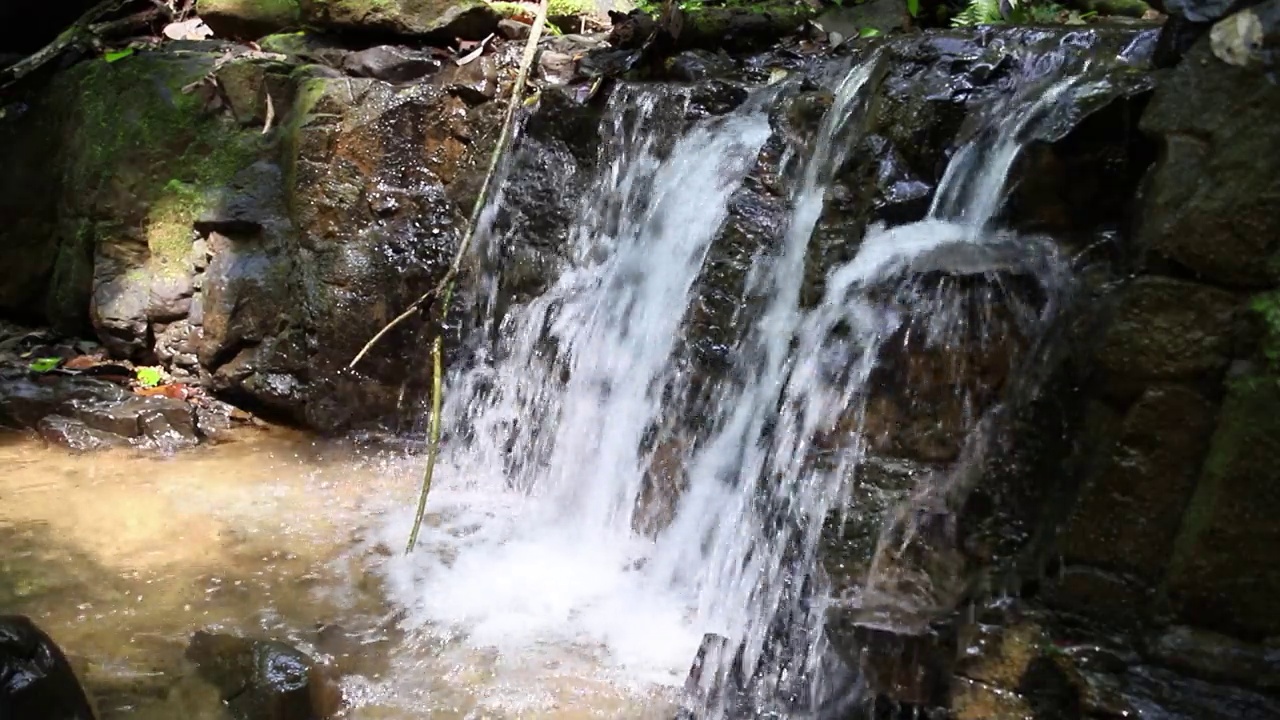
(1165, 329)
(36, 681)
(847, 23)
(1205, 206)
(164, 421)
(513, 29)
(697, 65)
(1217, 658)
(1156, 692)
(75, 435)
(1129, 513)
(264, 679)
(391, 64)
(1219, 577)
(24, 401)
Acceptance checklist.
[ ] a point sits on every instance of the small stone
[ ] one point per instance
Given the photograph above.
(391, 64)
(513, 29)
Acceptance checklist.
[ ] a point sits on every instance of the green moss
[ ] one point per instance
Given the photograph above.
(267, 13)
(147, 153)
(1267, 306)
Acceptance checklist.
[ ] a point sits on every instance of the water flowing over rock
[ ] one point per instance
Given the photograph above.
(938, 371)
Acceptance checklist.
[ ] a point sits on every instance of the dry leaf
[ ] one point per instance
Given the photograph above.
(193, 29)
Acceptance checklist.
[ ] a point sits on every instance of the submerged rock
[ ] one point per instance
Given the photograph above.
(264, 679)
(36, 681)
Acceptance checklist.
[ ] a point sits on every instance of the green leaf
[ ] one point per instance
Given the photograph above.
(44, 365)
(114, 55)
(148, 376)
(913, 7)
(868, 32)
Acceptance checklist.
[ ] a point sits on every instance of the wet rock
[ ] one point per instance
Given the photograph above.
(1156, 692)
(1217, 658)
(1129, 513)
(75, 435)
(391, 64)
(1205, 205)
(513, 29)
(164, 421)
(36, 681)
(847, 23)
(24, 400)
(1219, 577)
(264, 679)
(697, 65)
(1166, 329)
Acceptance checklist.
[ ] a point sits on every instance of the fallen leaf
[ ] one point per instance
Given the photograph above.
(193, 29)
(474, 53)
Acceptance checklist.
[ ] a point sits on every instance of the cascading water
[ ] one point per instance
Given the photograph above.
(530, 544)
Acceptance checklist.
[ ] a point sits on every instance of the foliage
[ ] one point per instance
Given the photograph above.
(1268, 307)
(148, 376)
(1019, 12)
(44, 364)
(114, 55)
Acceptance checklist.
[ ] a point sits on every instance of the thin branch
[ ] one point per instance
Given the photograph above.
(445, 288)
(433, 450)
(423, 303)
(68, 38)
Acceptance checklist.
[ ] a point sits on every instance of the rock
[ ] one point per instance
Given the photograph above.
(1164, 329)
(1205, 205)
(36, 681)
(847, 23)
(698, 65)
(1217, 658)
(443, 19)
(162, 421)
(24, 401)
(1156, 692)
(391, 64)
(513, 29)
(1128, 514)
(1219, 577)
(75, 435)
(1249, 38)
(264, 679)
(246, 19)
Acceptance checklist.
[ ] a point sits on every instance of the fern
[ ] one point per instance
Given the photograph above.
(978, 12)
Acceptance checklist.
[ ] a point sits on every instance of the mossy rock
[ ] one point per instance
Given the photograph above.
(1223, 575)
(442, 19)
(562, 15)
(741, 29)
(249, 19)
(142, 155)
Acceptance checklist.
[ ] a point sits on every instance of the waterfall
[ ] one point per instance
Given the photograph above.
(530, 543)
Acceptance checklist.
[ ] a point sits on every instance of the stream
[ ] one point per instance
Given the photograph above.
(121, 555)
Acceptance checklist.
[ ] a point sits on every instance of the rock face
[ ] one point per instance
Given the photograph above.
(35, 679)
(256, 264)
(1144, 586)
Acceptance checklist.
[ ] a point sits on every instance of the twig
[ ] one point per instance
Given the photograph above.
(70, 37)
(271, 115)
(433, 449)
(422, 303)
(445, 287)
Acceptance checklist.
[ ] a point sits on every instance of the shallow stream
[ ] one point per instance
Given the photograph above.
(121, 556)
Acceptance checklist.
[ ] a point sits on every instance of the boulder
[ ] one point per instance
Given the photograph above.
(36, 681)
(249, 19)
(1208, 204)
